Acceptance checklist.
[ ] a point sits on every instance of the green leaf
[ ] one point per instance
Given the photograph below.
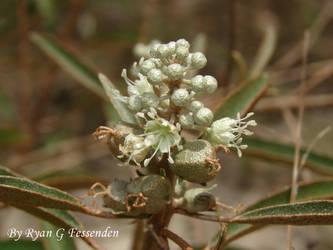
(266, 48)
(47, 10)
(303, 213)
(82, 74)
(6, 171)
(322, 189)
(7, 109)
(54, 242)
(20, 245)
(243, 98)
(285, 153)
(18, 190)
(59, 218)
(69, 180)
(11, 136)
(69, 63)
(121, 108)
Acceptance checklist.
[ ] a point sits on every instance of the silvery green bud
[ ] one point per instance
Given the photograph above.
(186, 121)
(182, 53)
(153, 50)
(199, 200)
(134, 103)
(140, 50)
(196, 162)
(198, 60)
(157, 62)
(165, 103)
(183, 43)
(149, 100)
(175, 71)
(198, 84)
(147, 66)
(210, 84)
(204, 117)
(195, 106)
(188, 60)
(172, 47)
(163, 51)
(155, 76)
(180, 97)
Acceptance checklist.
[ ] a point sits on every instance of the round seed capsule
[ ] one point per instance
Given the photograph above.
(134, 103)
(198, 60)
(186, 121)
(180, 97)
(195, 106)
(196, 162)
(155, 76)
(210, 84)
(175, 71)
(199, 200)
(204, 117)
(198, 83)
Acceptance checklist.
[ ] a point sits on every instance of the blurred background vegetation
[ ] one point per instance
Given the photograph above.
(47, 117)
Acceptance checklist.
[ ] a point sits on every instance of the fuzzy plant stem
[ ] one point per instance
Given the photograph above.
(160, 221)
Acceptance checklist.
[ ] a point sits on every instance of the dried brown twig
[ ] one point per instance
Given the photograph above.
(298, 130)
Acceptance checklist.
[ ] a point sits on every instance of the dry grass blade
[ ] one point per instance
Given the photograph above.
(298, 131)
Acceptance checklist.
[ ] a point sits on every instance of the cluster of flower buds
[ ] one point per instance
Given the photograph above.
(163, 99)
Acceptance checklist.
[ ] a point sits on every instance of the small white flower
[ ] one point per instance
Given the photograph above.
(134, 149)
(228, 131)
(161, 135)
(137, 87)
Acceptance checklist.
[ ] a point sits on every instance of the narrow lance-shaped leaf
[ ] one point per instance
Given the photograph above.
(266, 48)
(303, 213)
(15, 189)
(20, 245)
(11, 136)
(315, 190)
(243, 98)
(69, 63)
(280, 152)
(70, 180)
(78, 70)
(7, 109)
(121, 108)
(322, 189)
(59, 218)
(55, 242)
